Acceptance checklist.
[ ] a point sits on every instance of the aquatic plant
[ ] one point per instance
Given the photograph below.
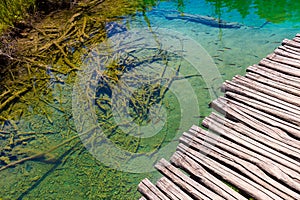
(14, 11)
(40, 67)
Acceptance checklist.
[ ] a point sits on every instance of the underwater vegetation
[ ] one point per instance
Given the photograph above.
(42, 51)
(39, 65)
(14, 11)
(272, 11)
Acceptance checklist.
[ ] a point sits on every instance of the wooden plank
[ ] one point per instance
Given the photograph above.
(274, 84)
(296, 39)
(246, 91)
(287, 42)
(240, 165)
(286, 54)
(280, 67)
(240, 149)
(265, 88)
(267, 108)
(261, 137)
(254, 120)
(171, 190)
(204, 177)
(267, 118)
(275, 75)
(279, 94)
(193, 188)
(150, 191)
(142, 198)
(284, 162)
(227, 174)
(256, 146)
(167, 189)
(292, 129)
(289, 50)
(284, 60)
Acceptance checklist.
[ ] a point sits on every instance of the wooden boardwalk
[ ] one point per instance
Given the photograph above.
(256, 147)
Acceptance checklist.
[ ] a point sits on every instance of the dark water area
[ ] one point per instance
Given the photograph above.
(92, 96)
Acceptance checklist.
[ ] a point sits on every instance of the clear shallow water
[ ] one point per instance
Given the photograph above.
(127, 119)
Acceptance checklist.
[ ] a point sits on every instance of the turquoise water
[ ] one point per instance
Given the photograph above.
(135, 94)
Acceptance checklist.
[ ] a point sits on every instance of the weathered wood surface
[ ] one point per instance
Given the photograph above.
(281, 84)
(171, 190)
(151, 191)
(195, 190)
(253, 144)
(275, 75)
(277, 66)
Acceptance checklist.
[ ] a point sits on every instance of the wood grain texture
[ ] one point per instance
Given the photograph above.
(253, 143)
(171, 190)
(150, 191)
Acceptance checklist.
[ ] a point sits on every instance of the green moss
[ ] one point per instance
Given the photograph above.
(13, 11)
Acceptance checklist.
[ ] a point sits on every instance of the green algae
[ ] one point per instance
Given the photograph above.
(38, 85)
(274, 12)
(40, 144)
(14, 11)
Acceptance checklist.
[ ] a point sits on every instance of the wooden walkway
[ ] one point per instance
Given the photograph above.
(256, 147)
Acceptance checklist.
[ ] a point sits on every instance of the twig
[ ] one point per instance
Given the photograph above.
(42, 154)
(3, 118)
(6, 55)
(42, 66)
(13, 97)
(4, 93)
(33, 133)
(83, 28)
(38, 155)
(4, 132)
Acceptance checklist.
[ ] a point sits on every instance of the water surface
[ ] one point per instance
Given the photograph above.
(99, 112)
